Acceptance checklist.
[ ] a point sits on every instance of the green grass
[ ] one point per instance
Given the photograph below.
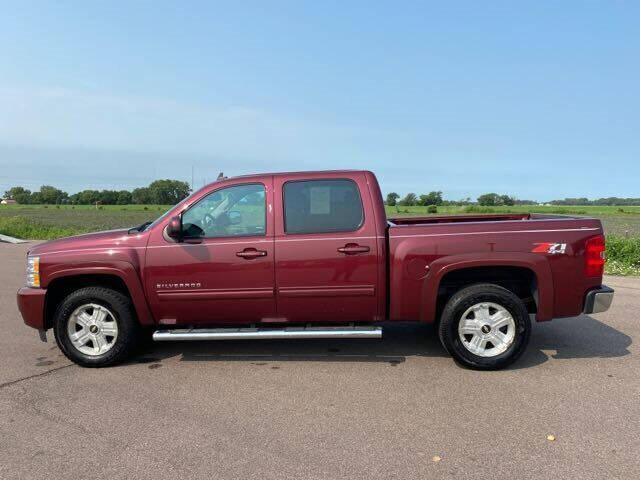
(49, 222)
(82, 218)
(26, 228)
(623, 255)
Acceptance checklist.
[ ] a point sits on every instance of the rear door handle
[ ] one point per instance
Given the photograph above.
(249, 253)
(353, 248)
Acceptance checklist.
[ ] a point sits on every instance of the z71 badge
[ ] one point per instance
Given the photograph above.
(550, 248)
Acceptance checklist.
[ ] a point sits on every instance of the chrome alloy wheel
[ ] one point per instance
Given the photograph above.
(92, 329)
(487, 329)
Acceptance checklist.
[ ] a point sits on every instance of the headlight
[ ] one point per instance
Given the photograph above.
(33, 272)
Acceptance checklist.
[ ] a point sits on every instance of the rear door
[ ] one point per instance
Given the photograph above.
(326, 249)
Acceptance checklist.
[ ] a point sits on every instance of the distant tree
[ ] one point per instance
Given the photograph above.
(493, 199)
(85, 197)
(108, 197)
(506, 200)
(124, 197)
(36, 198)
(142, 196)
(461, 202)
(392, 199)
(19, 194)
(409, 200)
(168, 192)
(432, 198)
(52, 195)
(432, 209)
(571, 201)
(489, 199)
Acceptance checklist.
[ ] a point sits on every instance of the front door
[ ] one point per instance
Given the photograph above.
(223, 273)
(326, 252)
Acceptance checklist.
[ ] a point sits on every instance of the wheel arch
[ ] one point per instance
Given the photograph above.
(62, 283)
(530, 278)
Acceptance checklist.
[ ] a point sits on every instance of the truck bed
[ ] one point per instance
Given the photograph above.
(423, 249)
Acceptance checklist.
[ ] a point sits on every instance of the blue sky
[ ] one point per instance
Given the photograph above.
(536, 99)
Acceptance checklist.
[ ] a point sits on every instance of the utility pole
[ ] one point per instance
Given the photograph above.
(192, 187)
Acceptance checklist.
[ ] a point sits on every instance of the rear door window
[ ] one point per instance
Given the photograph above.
(322, 206)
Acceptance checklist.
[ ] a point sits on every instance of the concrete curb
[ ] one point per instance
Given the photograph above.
(6, 238)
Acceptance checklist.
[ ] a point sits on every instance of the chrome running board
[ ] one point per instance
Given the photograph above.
(266, 333)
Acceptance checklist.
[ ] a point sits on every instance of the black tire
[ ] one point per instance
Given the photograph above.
(124, 315)
(472, 295)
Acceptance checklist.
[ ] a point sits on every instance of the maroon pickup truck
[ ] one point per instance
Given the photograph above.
(313, 255)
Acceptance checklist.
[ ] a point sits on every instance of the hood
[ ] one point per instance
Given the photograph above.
(106, 239)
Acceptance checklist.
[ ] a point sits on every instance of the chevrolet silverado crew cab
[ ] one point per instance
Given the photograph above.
(313, 255)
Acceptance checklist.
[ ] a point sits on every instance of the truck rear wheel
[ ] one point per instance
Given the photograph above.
(96, 327)
(485, 326)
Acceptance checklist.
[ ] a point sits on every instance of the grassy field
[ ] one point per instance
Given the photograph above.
(623, 221)
(555, 209)
(85, 218)
(48, 222)
(622, 224)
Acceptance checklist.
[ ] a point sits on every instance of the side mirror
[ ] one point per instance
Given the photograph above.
(174, 228)
(234, 217)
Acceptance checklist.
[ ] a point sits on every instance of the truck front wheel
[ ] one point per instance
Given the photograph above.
(485, 326)
(96, 327)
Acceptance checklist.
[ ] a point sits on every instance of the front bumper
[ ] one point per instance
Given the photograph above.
(31, 306)
(598, 300)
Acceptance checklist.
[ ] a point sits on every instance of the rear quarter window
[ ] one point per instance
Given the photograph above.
(322, 206)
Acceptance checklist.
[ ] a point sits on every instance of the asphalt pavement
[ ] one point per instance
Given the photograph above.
(325, 409)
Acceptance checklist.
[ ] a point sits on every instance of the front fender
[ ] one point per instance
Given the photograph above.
(119, 268)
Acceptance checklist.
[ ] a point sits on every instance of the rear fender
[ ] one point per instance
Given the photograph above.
(536, 263)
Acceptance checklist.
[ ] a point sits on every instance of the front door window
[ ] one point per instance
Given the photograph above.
(229, 212)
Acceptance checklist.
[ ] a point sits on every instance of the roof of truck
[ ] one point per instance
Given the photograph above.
(302, 172)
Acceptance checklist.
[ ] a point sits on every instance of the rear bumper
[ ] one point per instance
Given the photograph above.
(598, 300)
(31, 306)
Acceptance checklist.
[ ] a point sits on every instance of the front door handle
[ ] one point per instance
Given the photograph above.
(249, 253)
(353, 248)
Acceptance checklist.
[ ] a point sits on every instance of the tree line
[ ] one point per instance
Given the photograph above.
(170, 192)
(611, 201)
(497, 200)
(160, 192)
(435, 199)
